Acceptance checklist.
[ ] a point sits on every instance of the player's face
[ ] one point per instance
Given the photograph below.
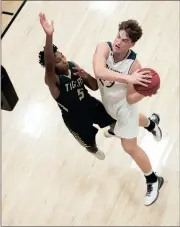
(122, 42)
(61, 64)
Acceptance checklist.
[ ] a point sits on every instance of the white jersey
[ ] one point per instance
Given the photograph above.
(114, 93)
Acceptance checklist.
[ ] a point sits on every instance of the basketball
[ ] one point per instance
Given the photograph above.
(153, 87)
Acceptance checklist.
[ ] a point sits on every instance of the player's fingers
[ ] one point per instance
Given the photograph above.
(145, 72)
(41, 16)
(44, 16)
(143, 84)
(76, 73)
(75, 67)
(146, 81)
(146, 76)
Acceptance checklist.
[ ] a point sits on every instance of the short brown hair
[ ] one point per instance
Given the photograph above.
(132, 28)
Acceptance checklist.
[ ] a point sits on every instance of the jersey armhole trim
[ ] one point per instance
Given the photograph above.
(131, 66)
(110, 46)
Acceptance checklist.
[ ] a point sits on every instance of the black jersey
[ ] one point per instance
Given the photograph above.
(80, 111)
(73, 97)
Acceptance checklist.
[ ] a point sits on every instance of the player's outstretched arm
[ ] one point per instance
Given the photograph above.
(88, 80)
(50, 76)
(101, 72)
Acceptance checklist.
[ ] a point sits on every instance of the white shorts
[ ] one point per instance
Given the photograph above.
(127, 117)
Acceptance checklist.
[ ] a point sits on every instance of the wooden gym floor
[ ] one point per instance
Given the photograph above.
(8, 10)
(47, 178)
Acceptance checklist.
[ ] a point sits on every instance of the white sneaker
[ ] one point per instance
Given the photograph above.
(108, 133)
(156, 118)
(100, 155)
(153, 191)
(157, 133)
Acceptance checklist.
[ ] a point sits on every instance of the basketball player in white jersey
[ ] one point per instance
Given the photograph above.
(116, 69)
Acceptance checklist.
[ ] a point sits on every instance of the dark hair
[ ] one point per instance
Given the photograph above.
(132, 28)
(41, 55)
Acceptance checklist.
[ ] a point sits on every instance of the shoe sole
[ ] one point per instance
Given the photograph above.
(161, 179)
(100, 158)
(158, 117)
(160, 135)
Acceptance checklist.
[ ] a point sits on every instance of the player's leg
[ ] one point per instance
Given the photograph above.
(153, 181)
(127, 130)
(151, 124)
(85, 134)
(101, 117)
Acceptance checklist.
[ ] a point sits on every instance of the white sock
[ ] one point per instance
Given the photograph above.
(148, 123)
(147, 174)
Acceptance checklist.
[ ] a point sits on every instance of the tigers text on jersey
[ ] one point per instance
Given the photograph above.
(73, 94)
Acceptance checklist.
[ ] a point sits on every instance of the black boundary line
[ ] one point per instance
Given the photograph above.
(7, 13)
(12, 20)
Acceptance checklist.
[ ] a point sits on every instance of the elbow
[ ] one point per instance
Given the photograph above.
(129, 101)
(95, 88)
(134, 98)
(99, 73)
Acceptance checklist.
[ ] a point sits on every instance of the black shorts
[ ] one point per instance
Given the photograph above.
(80, 124)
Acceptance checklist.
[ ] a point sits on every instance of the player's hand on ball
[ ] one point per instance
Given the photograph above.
(141, 78)
(48, 28)
(80, 72)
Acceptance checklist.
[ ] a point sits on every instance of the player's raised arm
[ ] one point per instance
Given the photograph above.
(101, 72)
(48, 49)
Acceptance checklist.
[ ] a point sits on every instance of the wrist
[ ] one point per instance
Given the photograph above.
(127, 78)
(49, 36)
(86, 75)
(124, 78)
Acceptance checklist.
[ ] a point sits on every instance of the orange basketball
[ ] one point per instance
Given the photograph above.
(153, 87)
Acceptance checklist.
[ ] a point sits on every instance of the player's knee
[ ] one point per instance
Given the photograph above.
(129, 147)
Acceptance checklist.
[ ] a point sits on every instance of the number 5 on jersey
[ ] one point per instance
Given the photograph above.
(80, 93)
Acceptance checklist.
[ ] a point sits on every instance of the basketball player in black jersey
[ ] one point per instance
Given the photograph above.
(66, 82)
